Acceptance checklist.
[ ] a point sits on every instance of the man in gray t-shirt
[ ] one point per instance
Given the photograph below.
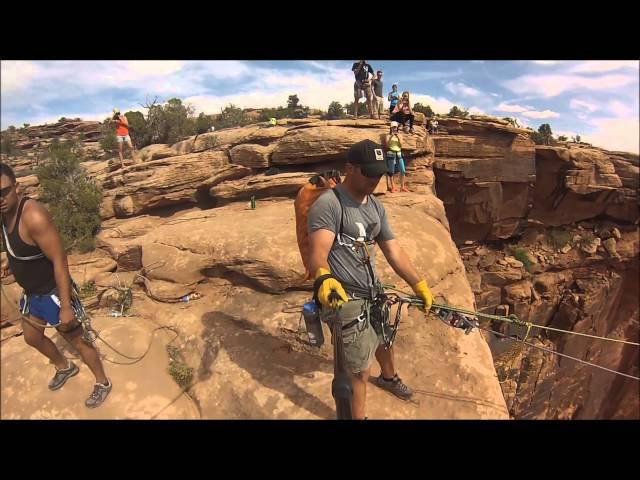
(366, 221)
(378, 98)
(341, 232)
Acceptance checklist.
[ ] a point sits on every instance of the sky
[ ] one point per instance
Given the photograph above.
(596, 99)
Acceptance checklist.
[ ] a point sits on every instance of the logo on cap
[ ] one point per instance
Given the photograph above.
(378, 153)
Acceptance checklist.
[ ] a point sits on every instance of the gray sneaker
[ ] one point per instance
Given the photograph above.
(99, 395)
(394, 386)
(61, 376)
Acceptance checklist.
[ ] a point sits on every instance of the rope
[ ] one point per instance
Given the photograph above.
(90, 330)
(560, 354)
(514, 320)
(139, 358)
(412, 299)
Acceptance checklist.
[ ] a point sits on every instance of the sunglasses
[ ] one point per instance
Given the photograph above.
(6, 190)
(377, 175)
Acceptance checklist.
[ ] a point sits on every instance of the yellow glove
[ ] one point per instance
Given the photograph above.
(422, 291)
(329, 292)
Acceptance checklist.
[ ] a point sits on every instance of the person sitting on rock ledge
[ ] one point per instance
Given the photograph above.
(403, 112)
(37, 259)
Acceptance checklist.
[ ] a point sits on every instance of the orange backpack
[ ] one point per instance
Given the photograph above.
(306, 197)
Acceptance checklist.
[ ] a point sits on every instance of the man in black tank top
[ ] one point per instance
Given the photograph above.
(36, 257)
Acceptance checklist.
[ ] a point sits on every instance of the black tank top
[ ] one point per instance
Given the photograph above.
(34, 276)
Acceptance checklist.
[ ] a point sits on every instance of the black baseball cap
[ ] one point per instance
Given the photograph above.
(369, 156)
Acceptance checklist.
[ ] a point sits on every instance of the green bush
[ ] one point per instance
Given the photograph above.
(203, 123)
(88, 289)
(522, 255)
(558, 238)
(8, 144)
(459, 113)
(335, 111)
(137, 129)
(544, 135)
(363, 109)
(267, 113)
(182, 374)
(231, 116)
(73, 199)
(108, 141)
(418, 107)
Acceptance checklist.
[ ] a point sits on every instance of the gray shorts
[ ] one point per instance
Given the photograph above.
(123, 138)
(362, 90)
(360, 340)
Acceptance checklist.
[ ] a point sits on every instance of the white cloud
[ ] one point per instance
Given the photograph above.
(621, 134)
(553, 85)
(461, 89)
(429, 75)
(545, 62)
(15, 74)
(476, 111)
(495, 94)
(271, 88)
(438, 105)
(540, 114)
(505, 107)
(577, 104)
(619, 109)
(599, 66)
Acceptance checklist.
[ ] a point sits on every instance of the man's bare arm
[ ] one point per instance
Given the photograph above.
(320, 243)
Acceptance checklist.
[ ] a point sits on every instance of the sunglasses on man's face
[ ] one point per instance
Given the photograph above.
(6, 191)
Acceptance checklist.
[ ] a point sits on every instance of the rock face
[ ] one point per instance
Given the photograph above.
(324, 143)
(243, 319)
(593, 292)
(226, 166)
(178, 227)
(576, 184)
(156, 152)
(33, 141)
(493, 180)
(162, 183)
(283, 185)
(484, 175)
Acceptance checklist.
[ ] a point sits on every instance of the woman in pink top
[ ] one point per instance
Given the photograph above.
(404, 112)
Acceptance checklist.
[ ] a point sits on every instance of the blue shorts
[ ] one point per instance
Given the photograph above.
(45, 307)
(395, 163)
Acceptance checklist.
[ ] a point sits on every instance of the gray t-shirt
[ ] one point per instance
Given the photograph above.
(377, 87)
(367, 220)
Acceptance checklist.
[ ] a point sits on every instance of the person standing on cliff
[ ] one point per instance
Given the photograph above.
(362, 85)
(378, 97)
(340, 224)
(122, 135)
(36, 257)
